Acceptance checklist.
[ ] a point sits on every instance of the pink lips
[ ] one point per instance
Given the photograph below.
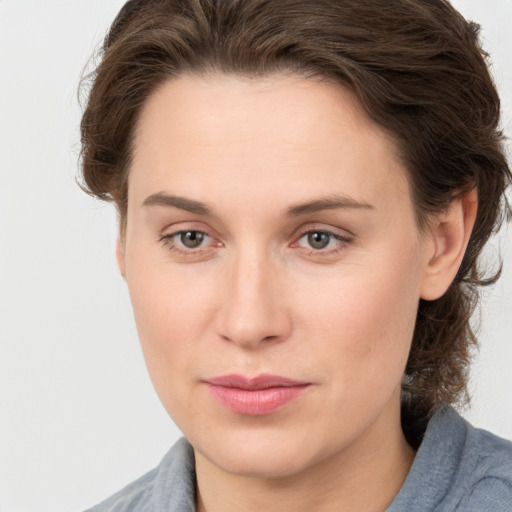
(256, 396)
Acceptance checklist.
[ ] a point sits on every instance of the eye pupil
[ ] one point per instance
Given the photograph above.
(192, 239)
(318, 240)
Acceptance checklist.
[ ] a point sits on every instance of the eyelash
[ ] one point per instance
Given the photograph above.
(171, 245)
(343, 240)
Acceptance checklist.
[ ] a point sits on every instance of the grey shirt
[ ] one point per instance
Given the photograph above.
(457, 468)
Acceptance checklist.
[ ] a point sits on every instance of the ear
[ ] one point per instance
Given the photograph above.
(121, 263)
(449, 239)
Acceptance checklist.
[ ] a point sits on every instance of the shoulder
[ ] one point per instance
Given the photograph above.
(490, 494)
(135, 496)
(491, 453)
(486, 473)
(458, 468)
(170, 486)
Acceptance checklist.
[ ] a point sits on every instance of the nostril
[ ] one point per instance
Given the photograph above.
(255, 334)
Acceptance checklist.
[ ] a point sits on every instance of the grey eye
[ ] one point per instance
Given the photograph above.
(192, 239)
(318, 240)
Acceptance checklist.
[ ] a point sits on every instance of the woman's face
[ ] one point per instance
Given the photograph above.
(274, 266)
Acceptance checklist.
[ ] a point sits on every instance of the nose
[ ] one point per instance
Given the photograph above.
(253, 313)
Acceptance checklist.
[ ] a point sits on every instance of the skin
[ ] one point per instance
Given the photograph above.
(254, 297)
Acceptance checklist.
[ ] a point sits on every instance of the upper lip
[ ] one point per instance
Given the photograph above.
(254, 383)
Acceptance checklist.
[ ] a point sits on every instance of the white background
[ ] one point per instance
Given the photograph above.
(78, 416)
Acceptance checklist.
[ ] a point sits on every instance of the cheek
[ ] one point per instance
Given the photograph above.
(173, 309)
(363, 327)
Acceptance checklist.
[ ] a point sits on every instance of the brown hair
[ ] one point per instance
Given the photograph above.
(418, 71)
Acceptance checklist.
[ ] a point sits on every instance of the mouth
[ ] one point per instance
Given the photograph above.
(256, 396)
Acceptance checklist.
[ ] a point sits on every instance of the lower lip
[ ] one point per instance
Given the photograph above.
(258, 402)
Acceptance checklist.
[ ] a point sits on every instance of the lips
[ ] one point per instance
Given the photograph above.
(257, 396)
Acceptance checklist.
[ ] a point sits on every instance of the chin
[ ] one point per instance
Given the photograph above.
(260, 454)
(256, 464)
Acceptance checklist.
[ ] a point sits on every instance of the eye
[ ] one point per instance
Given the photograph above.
(187, 241)
(318, 240)
(191, 239)
(322, 240)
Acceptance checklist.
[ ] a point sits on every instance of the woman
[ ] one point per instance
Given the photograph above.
(304, 190)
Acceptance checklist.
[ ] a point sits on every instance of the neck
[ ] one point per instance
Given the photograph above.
(367, 475)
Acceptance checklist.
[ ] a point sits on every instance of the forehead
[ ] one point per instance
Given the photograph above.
(283, 132)
(283, 109)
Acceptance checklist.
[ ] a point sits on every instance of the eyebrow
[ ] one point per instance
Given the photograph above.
(189, 205)
(328, 203)
(199, 208)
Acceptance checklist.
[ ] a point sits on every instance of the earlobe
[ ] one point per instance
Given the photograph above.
(449, 240)
(121, 264)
